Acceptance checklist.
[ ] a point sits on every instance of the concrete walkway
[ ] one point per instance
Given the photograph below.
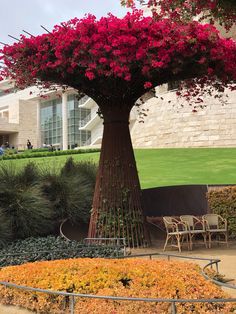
(13, 310)
(227, 265)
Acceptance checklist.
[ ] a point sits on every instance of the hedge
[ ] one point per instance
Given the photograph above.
(130, 278)
(48, 154)
(223, 202)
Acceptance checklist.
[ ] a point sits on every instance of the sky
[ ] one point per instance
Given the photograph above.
(28, 15)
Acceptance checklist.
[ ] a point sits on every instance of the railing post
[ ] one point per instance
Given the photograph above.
(124, 243)
(72, 304)
(173, 308)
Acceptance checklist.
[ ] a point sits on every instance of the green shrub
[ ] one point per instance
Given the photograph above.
(223, 202)
(9, 152)
(37, 153)
(23, 203)
(70, 192)
(69, 167)
(5, 229)
(51, 248)
(29, 174)
(34, 201)
(36, 150)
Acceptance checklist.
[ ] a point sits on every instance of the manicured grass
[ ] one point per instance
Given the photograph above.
(163, 167)
(55, 162)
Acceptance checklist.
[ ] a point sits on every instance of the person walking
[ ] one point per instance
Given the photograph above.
(1, 150)
(29, 145)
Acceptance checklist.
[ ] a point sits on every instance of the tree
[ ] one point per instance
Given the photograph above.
(222, 11)
(115, 61)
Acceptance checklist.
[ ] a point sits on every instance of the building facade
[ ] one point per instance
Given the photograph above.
(64, 120)
(171, 122)
(57, 119)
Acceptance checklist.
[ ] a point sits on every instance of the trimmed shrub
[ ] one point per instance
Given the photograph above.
(52, 248)
(223, 202)
(42, 153)
(9, 152)
(35, 150)
(130, 278)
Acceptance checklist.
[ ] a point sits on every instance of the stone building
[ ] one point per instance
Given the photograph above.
(64, 121)
(172, 123)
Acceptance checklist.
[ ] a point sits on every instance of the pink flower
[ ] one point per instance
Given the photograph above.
(210, 71)
(127, 77)
(90, 75)
(157, 64)
(132, 49)
(102, 60)
(202, 60)
(147, 85)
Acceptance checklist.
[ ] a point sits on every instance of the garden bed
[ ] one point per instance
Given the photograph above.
(130, 278)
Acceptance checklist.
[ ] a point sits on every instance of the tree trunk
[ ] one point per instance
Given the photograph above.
(117, 210)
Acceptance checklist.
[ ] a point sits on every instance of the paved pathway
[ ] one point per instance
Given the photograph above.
(13, 310)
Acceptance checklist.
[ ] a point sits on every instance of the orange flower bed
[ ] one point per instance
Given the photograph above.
(128, 277)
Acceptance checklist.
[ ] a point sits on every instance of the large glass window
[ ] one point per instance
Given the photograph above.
(51, 122)
(76, 115)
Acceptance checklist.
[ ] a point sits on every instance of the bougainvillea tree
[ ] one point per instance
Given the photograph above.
(221, 11)
(115, 61)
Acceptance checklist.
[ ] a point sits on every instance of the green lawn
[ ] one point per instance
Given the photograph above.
(162, 167)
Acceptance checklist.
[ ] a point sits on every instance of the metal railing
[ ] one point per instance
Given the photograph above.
(85, 120)
(83, 100)
(173, 302)
(72, 297)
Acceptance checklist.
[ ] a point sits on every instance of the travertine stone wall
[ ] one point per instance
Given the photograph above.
(170, 125)
(28, 123)
(5, 126)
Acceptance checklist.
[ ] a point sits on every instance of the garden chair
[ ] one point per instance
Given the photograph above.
(216, 225)
(175, 231)
(195, 227)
